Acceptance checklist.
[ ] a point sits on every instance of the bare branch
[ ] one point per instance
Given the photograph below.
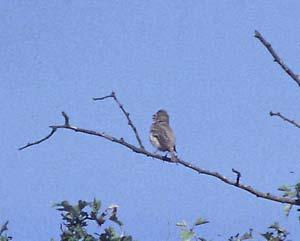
(39, 141)
(238, 176)
(130, 123)
(199, 170)
(285, 118)
(276, 57)
(104, 97)
(67, 123)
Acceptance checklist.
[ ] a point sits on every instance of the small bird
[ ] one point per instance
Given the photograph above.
(161, 134)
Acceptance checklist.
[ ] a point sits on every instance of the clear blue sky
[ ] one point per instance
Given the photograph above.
(196, 59)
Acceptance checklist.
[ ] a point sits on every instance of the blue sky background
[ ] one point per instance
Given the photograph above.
(196, 59)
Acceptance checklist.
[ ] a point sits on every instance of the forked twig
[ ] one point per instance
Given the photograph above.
(67, 123)
(130, 123)
(276, 57)
(285, 118)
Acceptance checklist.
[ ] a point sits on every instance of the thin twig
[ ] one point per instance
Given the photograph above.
(276, 57)
(67, 119)
(67, 123)
(39, 141)
(130, 123)
(199, 170)
(104, 97)
(285, 118)
(238, 176)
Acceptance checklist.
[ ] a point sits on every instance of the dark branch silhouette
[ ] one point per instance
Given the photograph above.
(50, 134)
(67, 122)
(238, 176)
(143, 151)
(278, 114)
(276, 57)
(39, 141)
(130, 123)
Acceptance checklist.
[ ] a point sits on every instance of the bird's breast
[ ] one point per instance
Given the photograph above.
(154, 141)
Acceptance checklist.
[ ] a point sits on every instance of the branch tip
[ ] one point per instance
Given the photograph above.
(66, 117)
(102, 98)
(41, 140)
(237, 182)
(278, 114)
(276, 57)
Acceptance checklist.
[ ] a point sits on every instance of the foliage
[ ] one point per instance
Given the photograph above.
(239, 237)
(188, 233)
(78, 220)
(277, 233)
(78, 217)
(3, 235)
(291, 191)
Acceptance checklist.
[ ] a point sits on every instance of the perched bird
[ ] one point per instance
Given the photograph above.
(161, 134)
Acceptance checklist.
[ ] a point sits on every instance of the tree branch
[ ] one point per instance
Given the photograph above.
(276, 57)
(285, 118)
(130, 123)
(143, 151)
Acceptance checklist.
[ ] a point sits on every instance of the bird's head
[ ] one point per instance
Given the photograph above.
(161, 116)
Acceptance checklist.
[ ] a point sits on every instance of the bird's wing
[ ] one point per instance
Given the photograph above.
(164, 135)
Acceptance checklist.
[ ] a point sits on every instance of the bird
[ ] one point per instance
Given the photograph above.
(161, 134)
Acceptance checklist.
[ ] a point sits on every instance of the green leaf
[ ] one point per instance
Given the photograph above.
(284, 188)
(200, 221)
(187, 235)
(182, 224)
(82, 204)
(64, 206)
(247, 235)
(116, 220)
(291, 194)
(126, 238)
(277, 227)
(287, 208)
(96, 205)
(267, 235)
